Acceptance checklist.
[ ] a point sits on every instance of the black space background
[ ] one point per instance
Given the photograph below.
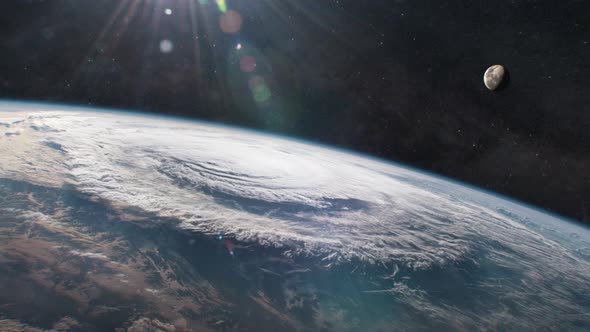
(396, 79)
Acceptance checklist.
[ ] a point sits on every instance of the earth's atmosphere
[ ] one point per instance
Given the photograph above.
(123, 221)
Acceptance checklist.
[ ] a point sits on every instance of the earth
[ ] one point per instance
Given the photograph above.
(113, 221)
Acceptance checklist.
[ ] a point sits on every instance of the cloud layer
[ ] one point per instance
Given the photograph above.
(314, 202)
(274, 191)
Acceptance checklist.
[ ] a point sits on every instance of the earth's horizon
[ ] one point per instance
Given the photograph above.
(114, 220)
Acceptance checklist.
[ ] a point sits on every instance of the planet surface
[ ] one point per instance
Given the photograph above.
(114, 221)
(494, 77)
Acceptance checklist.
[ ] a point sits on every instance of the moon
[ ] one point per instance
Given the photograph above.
(494, 77)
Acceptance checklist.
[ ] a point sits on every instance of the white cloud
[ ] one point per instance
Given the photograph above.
(89, 255)
(277, 192)
(312, 201)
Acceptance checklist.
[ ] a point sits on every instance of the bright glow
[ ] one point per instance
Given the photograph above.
(166, 46)
(222, 5)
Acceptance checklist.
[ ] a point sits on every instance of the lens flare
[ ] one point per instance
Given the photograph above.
(260, 90)
(222, 5)
(230, 22)
(166, 46)
(248, 63)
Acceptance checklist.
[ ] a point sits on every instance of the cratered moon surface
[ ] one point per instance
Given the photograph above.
(494, 76)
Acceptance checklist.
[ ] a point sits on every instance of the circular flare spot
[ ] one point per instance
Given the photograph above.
(166, 46)
(262, 94)
(255, 82)
(248, 63)
(230, 22)
(260, 91)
